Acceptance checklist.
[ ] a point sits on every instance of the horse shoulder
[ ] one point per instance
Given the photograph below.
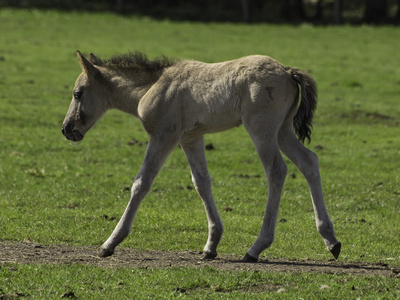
(158, 107)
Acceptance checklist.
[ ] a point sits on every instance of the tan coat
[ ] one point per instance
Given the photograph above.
(180, 101)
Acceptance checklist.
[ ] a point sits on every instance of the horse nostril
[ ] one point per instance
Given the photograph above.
(63, 131)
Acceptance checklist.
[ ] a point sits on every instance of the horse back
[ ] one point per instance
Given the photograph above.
(203, 98)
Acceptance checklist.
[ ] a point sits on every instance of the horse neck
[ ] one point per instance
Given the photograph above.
(129, 87)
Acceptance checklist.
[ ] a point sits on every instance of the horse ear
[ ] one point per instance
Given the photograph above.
(94, 59)
(86, 65)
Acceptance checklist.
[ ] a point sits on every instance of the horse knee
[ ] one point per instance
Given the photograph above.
(201, 181)
(140, 187)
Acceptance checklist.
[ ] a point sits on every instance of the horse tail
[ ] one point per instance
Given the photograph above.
(302, 121)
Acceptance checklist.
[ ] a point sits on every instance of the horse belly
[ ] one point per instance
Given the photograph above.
(213, 115)
(219, 124)
(211, 98)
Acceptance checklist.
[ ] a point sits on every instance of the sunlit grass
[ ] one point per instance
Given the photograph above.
(53, 192)
(87, 282)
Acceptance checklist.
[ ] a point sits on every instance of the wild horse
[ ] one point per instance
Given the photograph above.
(178, 101)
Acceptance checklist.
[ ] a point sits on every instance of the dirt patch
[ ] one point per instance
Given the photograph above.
(32, 253)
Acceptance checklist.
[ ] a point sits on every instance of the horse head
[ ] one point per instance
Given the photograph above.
(88, 101)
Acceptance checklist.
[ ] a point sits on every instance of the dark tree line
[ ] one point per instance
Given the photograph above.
(292, 11)
(368, 11)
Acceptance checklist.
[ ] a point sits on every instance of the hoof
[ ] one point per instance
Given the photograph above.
(105, 252)
(208, 255)
(336, 250)
(249, 259)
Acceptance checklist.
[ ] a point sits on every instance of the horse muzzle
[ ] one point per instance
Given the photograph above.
(72, 134)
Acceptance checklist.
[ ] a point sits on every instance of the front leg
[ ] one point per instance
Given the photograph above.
(196, 157)
(156, 154)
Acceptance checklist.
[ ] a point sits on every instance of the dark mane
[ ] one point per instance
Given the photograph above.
(136, 60)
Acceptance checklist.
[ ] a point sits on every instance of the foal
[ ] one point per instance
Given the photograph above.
(180, 101)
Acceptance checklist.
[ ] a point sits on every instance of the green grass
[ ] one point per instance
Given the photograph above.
(53, 193)
(87, 282)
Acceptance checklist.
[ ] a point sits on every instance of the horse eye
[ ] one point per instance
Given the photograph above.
(78, 95)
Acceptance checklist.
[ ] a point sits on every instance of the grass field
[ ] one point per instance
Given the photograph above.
(54, 193)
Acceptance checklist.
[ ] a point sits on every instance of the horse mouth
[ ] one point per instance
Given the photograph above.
(74, 135)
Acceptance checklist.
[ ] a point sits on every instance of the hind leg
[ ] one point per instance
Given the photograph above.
(307, 162)
(264, 137)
